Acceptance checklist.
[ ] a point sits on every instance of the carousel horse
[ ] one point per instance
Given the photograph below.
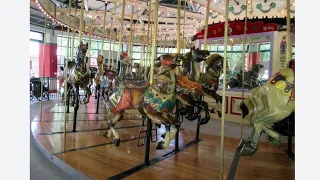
(79, 75)
(124, 69)
(251, 78)
(191, 85)
(110, 78)
(98, 75)
(156, 102)
(266, 105)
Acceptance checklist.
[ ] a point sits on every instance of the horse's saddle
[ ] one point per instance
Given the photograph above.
(284, 81)
(136, 84)
(188, 87)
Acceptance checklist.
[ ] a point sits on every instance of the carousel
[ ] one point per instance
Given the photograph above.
(211, 97)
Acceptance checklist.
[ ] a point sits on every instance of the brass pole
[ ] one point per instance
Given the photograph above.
(121, 30)
(184, 22)
(142, 52)
(74, 32)
(65, 81)
(289, 46)
(244, 60)
(178, 27)
(224, 86)
(104, 27)
(148, 40)
(206, 31)
(81, 23)
(131, 30)
(154, 39)
(90, 35)
(43, 61)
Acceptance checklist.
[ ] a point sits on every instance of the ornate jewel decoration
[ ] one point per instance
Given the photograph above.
(231, 9)
(271, 6)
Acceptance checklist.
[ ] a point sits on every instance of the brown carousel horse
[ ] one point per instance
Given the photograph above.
(156, 102)
(192, 85)
(266, 105)
(98, 75)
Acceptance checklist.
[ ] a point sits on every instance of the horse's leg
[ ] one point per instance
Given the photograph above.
(247, 141)
(218, 99)
(88, 92)
(112, 130)
(273, 137)
(96, 91)
(207, 114)
(75, 96)
(165, 144)
(265, 118)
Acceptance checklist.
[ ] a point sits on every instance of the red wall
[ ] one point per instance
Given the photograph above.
(255, 60)
(50, 60)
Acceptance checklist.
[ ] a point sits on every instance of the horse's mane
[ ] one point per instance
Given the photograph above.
(213, 58)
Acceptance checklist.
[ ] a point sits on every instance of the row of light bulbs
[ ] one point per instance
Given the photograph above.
(64, 25)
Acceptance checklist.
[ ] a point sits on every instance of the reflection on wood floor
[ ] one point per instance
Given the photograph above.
(89, 152)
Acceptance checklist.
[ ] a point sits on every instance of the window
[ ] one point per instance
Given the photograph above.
(255, 74)
(36, 36)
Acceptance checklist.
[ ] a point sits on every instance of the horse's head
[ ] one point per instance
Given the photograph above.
(200, 55)
(100, 60)
(215, 62)
(257, 67)
(164, 70)
(81, 52)
(110, 74)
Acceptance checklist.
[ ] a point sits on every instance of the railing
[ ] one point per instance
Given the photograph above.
(51, 88)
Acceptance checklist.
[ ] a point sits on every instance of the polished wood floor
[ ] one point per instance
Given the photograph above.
(95, 156)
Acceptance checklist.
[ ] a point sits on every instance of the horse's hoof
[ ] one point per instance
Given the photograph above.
(160, 145)
(116, 142)
(163, 135)
(106, 135)
(212, 111)
(248, 150)
(219, 114)
(275, 142)
(241, 143)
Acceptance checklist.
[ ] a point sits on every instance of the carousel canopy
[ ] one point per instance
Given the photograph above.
(195, 13)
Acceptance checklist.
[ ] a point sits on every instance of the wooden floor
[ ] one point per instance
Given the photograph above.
(95, 156)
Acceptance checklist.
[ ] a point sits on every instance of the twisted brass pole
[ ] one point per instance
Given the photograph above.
(81, 23)
(178, 27)
(244, 61)
(206, 30)
(288, 36)
(184, 23)
(224, 87)
(104, 27)
(154, 39)
(74, 32)
(131, 30)
(65, 81)
(148, 41)
(43, 61)
(121, 30)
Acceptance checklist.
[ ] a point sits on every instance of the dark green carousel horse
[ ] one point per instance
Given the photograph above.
(79, 75)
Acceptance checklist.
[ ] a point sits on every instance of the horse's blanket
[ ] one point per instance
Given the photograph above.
(284, 81)
(208, 82)
(186, 86)
(157, 103)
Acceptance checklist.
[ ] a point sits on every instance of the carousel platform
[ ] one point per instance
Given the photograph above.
(87, 154)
